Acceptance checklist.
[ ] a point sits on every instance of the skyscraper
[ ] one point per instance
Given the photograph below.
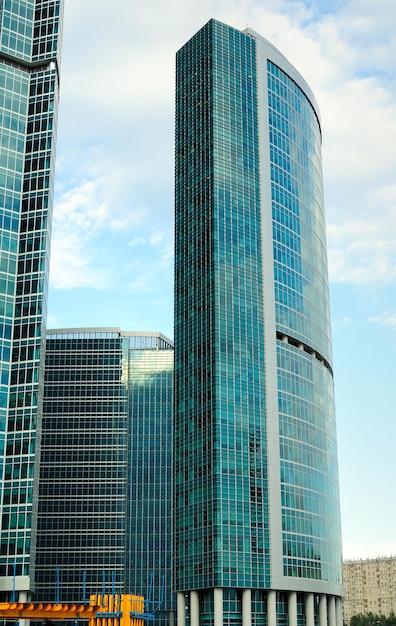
(256, 518)
(105, 485)
(30, 32)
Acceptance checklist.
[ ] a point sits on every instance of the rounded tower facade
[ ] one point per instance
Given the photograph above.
(256, 504)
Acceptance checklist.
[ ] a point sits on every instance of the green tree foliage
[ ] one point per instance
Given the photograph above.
(371, 619)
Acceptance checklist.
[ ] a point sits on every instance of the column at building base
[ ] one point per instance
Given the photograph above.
(322, 610)
(292, 608)
(271, 608)
(218, 606)
(247, 607)
(331, 607)
(181, 609)
(309, 609)
(339, 616)
(194, 608)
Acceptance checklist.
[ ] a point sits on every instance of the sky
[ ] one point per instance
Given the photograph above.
(112, 245)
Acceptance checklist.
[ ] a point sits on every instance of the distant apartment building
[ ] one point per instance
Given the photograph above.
(105, 491)
(370, 587)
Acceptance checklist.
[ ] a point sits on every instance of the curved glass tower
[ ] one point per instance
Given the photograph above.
(256, 520)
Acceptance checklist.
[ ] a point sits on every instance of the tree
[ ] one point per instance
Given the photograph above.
(371, 619)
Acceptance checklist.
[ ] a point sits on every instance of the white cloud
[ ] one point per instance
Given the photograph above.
(77, 216)
(388, 319)
(344, 322)
(359, 125)
(156, 238)
(83, 216)
(136, 241)
(362, 252)
(117, 109)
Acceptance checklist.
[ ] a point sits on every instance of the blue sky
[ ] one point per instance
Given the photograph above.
(112, 248)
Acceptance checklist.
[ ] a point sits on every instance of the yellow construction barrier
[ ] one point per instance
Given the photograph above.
(116, 610)
(103, 610)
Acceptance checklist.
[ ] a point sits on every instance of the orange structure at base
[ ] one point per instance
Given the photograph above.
(102, 610)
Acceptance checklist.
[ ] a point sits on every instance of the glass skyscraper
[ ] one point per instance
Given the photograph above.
(30, 33)
(105, 489)
(256, 518)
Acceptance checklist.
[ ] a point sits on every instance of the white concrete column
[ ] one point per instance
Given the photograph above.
(23, 597)
(218, 606)
(247, 607)
(171, 618)
(292, 608)
(323, 610)
(309, 610)
(181, 609)
(271, 608)
(331, 610)
(194, 608)
(339, 616)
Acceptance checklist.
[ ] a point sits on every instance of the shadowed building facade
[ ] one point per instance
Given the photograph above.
(30, 33)
(256, 518)
(105, 479)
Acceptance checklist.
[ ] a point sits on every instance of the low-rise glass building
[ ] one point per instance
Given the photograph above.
(105, 494)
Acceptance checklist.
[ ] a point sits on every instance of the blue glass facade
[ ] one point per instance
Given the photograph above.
(82, 487)
(257, 523)
(310, 500)
(105, 490)
(30, 32)
(149, 497)
(219, 322)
